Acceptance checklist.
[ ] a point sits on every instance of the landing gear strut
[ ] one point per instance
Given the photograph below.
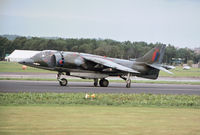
(128, 84)
(104, 82)
(62, 81)
(95, 82)
(128, 80)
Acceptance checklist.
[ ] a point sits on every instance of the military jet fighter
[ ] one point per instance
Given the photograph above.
(89, 66)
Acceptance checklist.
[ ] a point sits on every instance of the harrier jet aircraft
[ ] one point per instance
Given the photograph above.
(89, 66)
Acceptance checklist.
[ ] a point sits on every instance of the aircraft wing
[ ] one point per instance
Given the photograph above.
(109, 63)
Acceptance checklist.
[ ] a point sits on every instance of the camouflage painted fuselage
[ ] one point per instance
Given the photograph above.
(74, 64)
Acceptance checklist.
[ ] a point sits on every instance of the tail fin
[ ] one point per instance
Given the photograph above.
(154, 56)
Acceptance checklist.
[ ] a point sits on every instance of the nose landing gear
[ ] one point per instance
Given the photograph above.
(62, 81)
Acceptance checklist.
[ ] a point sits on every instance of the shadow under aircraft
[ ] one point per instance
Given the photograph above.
(89, 66)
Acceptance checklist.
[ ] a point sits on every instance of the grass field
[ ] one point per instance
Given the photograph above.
(191, 101)
(107, 114)
(98, 120)
(15, 67)
(179, 72)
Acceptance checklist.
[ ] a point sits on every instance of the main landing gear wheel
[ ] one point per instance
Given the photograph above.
(63, 82)
(103, 83)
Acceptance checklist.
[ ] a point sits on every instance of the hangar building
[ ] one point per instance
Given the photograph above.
(18, 55)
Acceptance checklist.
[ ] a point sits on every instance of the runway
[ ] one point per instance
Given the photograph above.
(87, 87)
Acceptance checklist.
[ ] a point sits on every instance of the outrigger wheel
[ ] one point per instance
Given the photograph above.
(128, 81)
(128, 85)
(63, 82)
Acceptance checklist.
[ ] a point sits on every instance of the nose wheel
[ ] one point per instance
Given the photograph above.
(62, 81)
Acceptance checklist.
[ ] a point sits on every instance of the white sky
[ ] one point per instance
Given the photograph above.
(175, 22)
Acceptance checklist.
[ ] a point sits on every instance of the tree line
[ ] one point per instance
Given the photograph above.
(104, 47)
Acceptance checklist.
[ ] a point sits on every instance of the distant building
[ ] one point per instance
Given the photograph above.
(18, 55)
(177, 61)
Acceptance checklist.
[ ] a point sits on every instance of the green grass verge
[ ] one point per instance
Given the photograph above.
(116, 81)
(101, 99)
(15, 67)
(98, 120)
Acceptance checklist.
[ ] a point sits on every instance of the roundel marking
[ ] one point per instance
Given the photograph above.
(61, 62)
(155, 55)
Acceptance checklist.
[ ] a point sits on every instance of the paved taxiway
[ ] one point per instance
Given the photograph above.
(87, 87)
(53, 76)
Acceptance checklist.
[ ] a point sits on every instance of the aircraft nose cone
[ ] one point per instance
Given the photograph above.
(27, 61)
